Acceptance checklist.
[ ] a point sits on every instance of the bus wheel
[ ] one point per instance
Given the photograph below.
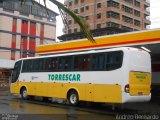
(73, 97)
(24, 95)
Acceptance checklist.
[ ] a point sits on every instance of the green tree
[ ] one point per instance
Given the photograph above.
(77, 18)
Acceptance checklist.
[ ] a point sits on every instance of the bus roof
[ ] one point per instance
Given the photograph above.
(83, 52)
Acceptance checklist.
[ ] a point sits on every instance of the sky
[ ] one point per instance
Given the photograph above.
(154, 15)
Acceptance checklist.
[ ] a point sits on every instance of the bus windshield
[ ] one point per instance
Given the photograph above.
(16, 71)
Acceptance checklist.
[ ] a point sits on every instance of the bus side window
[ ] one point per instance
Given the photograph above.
(114, 60)
(47, 64)
(27, 66)
(98, 61)
(86, 60)
(50, 66)
(68, 63)
(101, 61)
(61, 63)
(41, 65)
(16, 71)
(35, 64)
(77, 63)
(54, 64)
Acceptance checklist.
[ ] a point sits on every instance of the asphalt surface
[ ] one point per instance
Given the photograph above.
(12, 107)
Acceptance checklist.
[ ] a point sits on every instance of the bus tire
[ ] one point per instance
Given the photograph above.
(73, 98)
(45, 99)
(24, 95)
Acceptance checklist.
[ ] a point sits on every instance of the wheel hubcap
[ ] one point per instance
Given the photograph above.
(24, 93)
(73, 98)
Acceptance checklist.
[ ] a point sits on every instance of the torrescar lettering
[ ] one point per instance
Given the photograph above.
(64, 77)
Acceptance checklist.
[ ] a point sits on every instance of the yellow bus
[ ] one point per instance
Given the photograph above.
(116, 75)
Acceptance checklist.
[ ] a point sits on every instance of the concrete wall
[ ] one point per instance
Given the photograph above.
(6, 26)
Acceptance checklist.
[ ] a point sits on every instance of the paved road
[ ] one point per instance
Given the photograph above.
(12, 107)
(17, 109)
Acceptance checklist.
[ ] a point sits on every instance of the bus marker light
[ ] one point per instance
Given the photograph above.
(126, 88)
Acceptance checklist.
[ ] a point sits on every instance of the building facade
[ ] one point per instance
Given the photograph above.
(22, 27)
(130, 15)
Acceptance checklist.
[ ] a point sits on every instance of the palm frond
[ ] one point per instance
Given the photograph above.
(77, 18)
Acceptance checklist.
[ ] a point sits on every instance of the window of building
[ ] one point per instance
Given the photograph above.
(127, 9)
(87, 7)
(146, 25)
(69, 31)
(82, 1)
(146, 7)
(75, 30)
(76, 11)
(82, 9)
(98, 26)
(87, 17)
(8, 6)
(111, 3)
(137, 23)
(8, 10)
(70, 3)
(129, 1)
(146, 16)
(127, 19)
(98, 15)
(98, 5)
(127, 28)
(111, 14)
(137, 3)
(137, 13)
(112, 24)
(75, 1)
(70, 22)
(136, 30)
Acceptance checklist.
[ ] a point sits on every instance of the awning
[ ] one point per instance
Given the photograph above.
(6, 64)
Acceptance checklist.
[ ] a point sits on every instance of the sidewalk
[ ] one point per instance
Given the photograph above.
(4, 88)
